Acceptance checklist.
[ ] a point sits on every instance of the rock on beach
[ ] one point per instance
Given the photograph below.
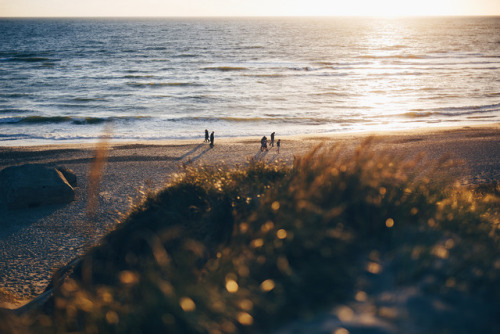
(33, 185)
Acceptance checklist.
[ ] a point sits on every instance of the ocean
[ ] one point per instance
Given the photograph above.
(70, 80)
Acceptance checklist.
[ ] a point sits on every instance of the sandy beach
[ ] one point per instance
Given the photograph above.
(35, 242)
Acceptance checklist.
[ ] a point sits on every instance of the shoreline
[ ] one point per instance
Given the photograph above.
(35, 242)
(413, 131)
(434, 142)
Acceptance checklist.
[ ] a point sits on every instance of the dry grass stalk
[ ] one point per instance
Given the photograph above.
(97, 171)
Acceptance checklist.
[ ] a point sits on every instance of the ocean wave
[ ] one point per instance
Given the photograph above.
(128, 51)
(225, 68)
(440, 97)
(416, 114)
(330, 94)
(27, 58)
(66, 119)
(270, 75)
(394, 47)
(452, 111)
(266, 119)
(90, 120)
(387, 74)
(203, 97)
(197, 119)
(305, 68)
(41, 119)
(186, 55)
(482, 117)
(16, 136)
(135, 71)
(136, 76)
(250, 47)
(39, 139)
(14, 95)
(155, 48)
(161, 84)
(405, 56)
(341, 65)
(326, 63)
(88, 99)
(487, 107)
(14, 111)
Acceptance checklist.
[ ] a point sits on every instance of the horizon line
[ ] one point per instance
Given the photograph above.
(248, 16)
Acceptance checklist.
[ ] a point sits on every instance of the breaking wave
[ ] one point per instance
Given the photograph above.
(161, 84)
(65, 119)
(225, 68)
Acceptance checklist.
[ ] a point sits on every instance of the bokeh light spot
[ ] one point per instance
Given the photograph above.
(231, 286)
(374, 268)
(245, 319)
(187, 304)
(267, 285)
(281, 234)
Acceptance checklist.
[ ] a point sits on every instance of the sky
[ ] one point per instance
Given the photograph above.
(94, 8)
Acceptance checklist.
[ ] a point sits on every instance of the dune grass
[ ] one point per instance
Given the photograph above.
(235, 250)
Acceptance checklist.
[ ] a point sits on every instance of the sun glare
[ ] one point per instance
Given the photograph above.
(379, 7)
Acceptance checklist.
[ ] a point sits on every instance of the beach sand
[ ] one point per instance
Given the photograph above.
(35, 242)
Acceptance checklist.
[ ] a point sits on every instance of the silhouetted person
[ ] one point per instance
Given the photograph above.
(206, 136)
(278, 143)
(272, 139)
(212, 139)
(263, 144)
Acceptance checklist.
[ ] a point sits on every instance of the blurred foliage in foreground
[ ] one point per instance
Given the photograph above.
(246, 249)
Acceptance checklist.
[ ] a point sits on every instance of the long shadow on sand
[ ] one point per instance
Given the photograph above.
(128, 158)
(190, 152)
(260, 155)
(274, 157)
(10, 157)
(193, 159)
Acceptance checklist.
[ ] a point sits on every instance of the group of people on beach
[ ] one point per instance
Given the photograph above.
(263, 143)
(209, 138)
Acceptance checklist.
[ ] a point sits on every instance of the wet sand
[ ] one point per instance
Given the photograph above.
(34, 242)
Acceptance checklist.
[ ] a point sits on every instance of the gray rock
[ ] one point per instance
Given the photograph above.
(32, 185)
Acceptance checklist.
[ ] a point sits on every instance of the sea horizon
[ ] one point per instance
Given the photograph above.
(251, 16)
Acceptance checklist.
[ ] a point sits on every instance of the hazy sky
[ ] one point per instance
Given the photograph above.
(34, 8)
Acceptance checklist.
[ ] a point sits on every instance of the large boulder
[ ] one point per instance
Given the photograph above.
(32, 185)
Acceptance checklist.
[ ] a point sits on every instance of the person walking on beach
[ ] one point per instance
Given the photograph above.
(263, 144)
(212, 139)
(278, 143)
(206, 136)
(272, 139)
